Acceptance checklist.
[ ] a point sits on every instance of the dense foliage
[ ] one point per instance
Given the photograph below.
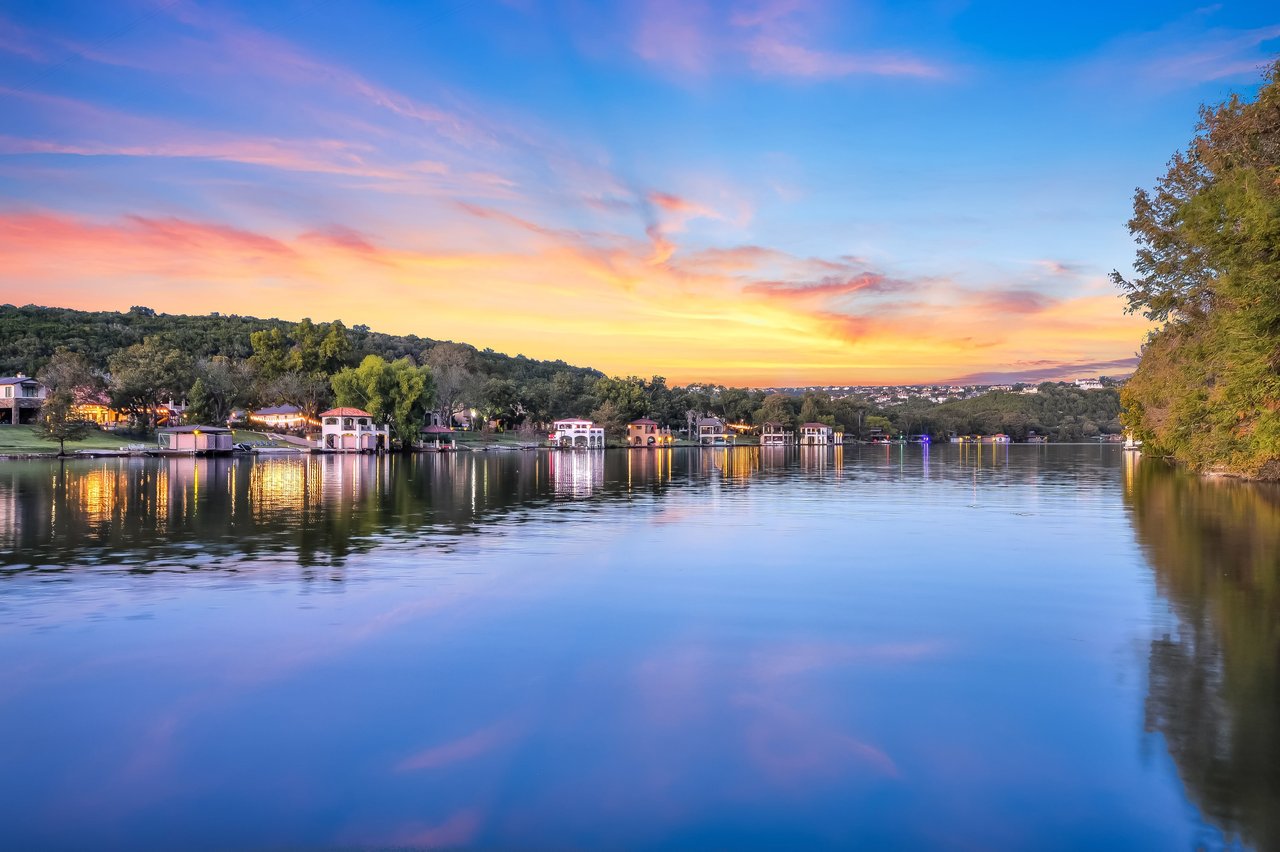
(1061, 412)
(220, 364)
(1207, 390)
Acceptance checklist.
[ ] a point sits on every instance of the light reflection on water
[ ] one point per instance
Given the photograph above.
(957, 646)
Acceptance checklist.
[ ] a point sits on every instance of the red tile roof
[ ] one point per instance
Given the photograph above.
(345, 412)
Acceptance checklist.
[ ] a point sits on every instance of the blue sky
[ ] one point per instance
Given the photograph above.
(764, 193)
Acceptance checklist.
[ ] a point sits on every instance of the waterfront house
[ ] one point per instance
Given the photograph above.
(351, 430)
(774, 434)
(647, 433)
(576, 432)
(197, 440)
(96, 408)
(712, 432)
(21, 399)
(279, 417)
(817, 434)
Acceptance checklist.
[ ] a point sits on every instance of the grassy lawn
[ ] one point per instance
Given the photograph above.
(248, 436)
(26, 439)
(513, 439)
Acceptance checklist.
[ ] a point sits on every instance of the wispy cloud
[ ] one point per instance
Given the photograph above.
(773, 39)
(1048, 371)
(1185, 53)
(773, 56)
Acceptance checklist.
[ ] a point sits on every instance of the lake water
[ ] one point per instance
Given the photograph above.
(964, 648)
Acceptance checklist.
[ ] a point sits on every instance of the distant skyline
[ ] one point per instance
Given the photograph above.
(770, 194)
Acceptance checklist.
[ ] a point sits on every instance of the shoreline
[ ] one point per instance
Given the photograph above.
(511, 448)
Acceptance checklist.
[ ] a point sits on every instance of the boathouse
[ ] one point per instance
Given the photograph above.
(351, 430)
(575, 432)
(817, 434)
(197, 440)
(712, 432)
(647, 433)
(774, 434)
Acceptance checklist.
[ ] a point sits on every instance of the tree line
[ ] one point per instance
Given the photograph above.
(218, 365)
(1207, 389)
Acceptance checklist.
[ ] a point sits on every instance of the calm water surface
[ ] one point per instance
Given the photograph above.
(968, 648)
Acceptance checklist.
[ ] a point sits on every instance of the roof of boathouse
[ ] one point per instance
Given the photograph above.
(345, 412)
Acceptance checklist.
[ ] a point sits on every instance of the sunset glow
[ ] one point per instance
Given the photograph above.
(759, 193)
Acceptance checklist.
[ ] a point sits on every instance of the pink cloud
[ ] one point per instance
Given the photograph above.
(1014, 301)
(865, 282)
(772, 56)
(339, 236)
(674, 34)
(675, 204)
(461, 749)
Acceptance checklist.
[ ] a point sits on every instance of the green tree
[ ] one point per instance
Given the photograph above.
(777, 408)
(628, 397)
(59, 421)
(220, 386)
(270, 353)
(148, 374)
(1207, 388)
(311, 392)
(499, 399)
(450, 364)
(398, 393)
(70, 371)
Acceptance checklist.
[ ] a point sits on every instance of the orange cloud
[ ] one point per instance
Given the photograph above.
(594, 298)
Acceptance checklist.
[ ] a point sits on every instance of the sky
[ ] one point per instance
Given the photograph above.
(772, 193)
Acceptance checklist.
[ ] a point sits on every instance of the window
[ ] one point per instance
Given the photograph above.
(8, 391)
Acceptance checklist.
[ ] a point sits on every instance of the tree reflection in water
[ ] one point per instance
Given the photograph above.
(1214, 683)
(176, 514)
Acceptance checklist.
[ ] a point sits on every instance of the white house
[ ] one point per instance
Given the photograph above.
(1088, 384)
(574, 432)
(351, 430)
(817, 434)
